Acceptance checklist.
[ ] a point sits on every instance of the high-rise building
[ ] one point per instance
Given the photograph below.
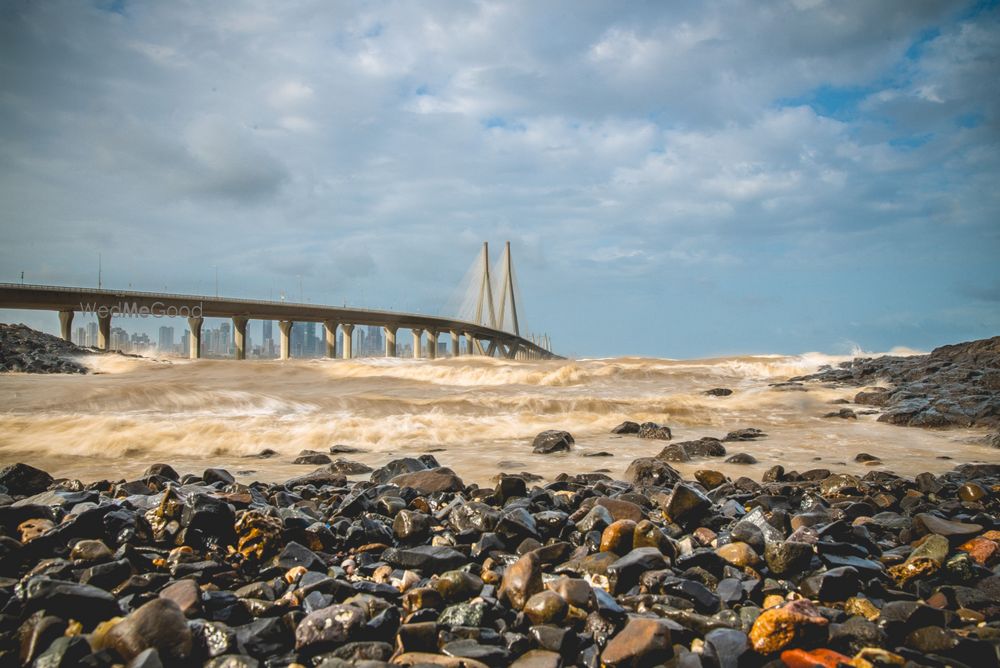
(225, 339)
(186, 343)
(91, 334)
(80, 336)
(165, 342)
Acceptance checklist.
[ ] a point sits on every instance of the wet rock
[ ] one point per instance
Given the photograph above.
(158, 625)
(643, 642)
(521, 581)
(618, 537)
(626, 428)
(64, 652)
(776, 628)
(686, 503)
(161, 470)
(682, 452)
(546, 607)
(710, 479)
(186, 596)
(865, 457)
(785, 557)
(741, 458)
(328, 627)
(431, 481)
(23, 480)
(348, 467)
(843, 414)
(427, 559)
(654, 431)
(651, 472)
(624, 573)
(746, 434)
(552, 440)
(323, 476)
(835, 584)
(738, 554)
(214, 475)
(946, 528)
(312, 457)
(411, 525)
(718, 392)
(70, 600)
(397, 467)
(728, 648)
(538, 658)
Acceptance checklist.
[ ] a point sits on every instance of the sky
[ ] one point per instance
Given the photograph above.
(676, 179)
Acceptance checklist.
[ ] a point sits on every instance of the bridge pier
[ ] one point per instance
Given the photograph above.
(418, 334)
(285, 327)
(330, 327)
(104, 331)
(390, 341)
(455, 343)
(66, 325)
(240, 335)
(347, 349)
(194, 324)
(432, 343)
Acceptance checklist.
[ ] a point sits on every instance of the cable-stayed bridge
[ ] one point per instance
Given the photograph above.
(489, 329)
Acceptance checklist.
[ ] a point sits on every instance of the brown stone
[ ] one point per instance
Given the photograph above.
(521, 581)
(159, 624)
(186, 594)
(862, 607)
(739, 554)
(622, 510)
(648, 534)
(575, 591)
(982, 550)
(538, 658)
(642, 642)
(33, 528)
(776, 628)
(420, 598)
(91, 550)
(427, 658)
(546, 607)
(817, 658)
(709, 478)
(430, 481)
(617, 537)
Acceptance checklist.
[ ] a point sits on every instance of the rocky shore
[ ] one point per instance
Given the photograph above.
(29, 351)
(953, 386)
(413, 567)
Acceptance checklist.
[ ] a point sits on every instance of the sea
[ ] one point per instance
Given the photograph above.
(476, 415)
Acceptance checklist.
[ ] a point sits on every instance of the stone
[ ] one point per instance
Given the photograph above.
(397, 467)
(738, 554)
(983, 551)
(972, 492)
(651, 430)
(312, 457)
(431, 481)
(946, 528)
(618, 537)
(747, 434)
(787, 557)
(686, 504)
(295, 554)
(651, 472)
(521, 581)
(427, 559)
(159, 625)
(741, 458)
(546, 607)
(728, 648)
(348, 467)
(538, 658)
(90, 550)
(23, 480)
(709, 478)
(835, 584)
(552, 440)
(626, 427)
(862, 457)
(65, 652)
(624, 573)
(776, 628)
(328, 627)
(34, 528)
(186, 595)
(211, 476)
(324, 476)
(621, 509)
(643, 642)
(718, 392)
(70, 600)
(162, 470)
(675, 453)
(411, 525)
(817, 658)
(457, 586)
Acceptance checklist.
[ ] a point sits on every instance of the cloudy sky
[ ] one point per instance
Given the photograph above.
(676, 179)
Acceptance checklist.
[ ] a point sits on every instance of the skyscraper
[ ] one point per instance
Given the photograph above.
(165, 342)
(91, 334)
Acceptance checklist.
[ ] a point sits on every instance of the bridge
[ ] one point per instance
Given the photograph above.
(485, 335)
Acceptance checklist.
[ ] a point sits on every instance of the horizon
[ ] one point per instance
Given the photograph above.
(684, 181)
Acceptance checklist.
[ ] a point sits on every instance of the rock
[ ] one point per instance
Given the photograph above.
(66, 652)
(741, 458)
(718, 392)
(23, 480)
(747, 434)
(295, 554)
(397, 467)
(348, 467)
(728, 648)
(865, 457)
(323, 476)
(626, 428)
(410, 525)
(682, 452)
(738, 554)
(186, 596)
(946, 528)
(90, 550)
(674, 453)
(817, 658)
(686, 503)
(654, 431)
(427, 559)
(314, 458)
(972, 492)
(521, 581)
(457, 586)
(212, 476)
(546, 607)
(162, 470)
(69, 600)
(431, 481)
(651, 472)
(624, 573)
(835, 584)
(643, 642)
(159, 625)
(843, 414)
(551, 441)
(776, 628)
(538, 658)
(709, 478)
(787, 557)
(328, 627)
(618, 536)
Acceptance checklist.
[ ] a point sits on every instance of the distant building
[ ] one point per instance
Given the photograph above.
(165, 341)
(91, 334)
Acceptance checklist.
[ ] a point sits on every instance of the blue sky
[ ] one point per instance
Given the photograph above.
(676, 179)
